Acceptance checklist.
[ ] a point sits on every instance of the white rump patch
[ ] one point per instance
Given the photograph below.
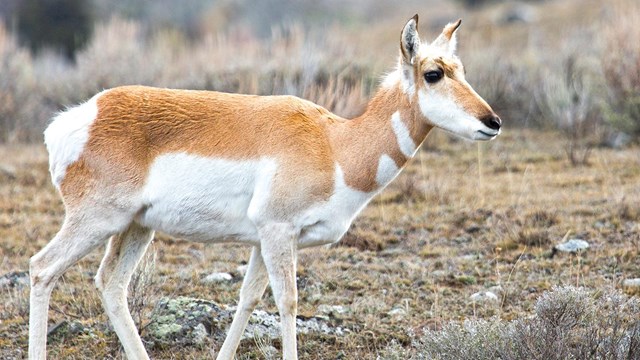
(67, 135)
(387, 170)
(405, 141)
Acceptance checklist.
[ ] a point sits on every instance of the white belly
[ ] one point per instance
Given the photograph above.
(204, 199)
(215, 200)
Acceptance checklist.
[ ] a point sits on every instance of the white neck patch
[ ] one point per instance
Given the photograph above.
(387, 170)
(405, 142)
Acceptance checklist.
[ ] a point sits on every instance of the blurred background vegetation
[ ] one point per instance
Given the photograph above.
(569, 65)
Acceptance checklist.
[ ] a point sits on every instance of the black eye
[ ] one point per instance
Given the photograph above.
(433, 76)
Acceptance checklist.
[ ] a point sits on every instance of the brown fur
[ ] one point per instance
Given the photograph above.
(135, 124)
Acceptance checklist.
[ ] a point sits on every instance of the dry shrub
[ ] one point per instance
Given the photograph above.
(620, 61)
(363, 240)
(533, 237)
(144, 290)
(569, 99)
(541, 218)
(569, 323)
(21, 106)
(411, 190)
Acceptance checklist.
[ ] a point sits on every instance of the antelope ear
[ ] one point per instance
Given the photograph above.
(448, 39)
(410, 41)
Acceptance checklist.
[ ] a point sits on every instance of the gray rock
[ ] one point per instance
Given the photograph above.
(217, 277)
(484, 296)
(572, 246)
(496, 289)
(269, 352)
(193, 322)
(242, 269)
(397, 311)
(618, 140)
(333, 310)
(631, 283)
(264, 324)
(8, 172)
(15, 279)
(66, 330)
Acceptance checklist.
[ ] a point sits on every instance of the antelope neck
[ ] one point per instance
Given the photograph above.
(372, 148)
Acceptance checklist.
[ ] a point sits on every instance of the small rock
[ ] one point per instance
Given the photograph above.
(199, 334)
(471, 257)
(242, 269)
(439, 274)
(484, 296)
(473, 229)
(572, 246)
(197, 254)
(497, 289)
(15, 279)
(618, 140)
(8, 172)
(332, 309)
(269, 352)
(631, 282)
(217, 277)
(66, 330)
(397, 312)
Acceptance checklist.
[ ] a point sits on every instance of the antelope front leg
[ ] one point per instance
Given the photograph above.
(253, 286)
(279, 252)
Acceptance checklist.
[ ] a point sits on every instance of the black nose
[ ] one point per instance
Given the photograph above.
(492, 121)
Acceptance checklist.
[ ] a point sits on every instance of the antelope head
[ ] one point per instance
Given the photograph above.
(434, 78)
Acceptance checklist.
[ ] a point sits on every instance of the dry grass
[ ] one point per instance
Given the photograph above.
(480, 215)
(462, 218)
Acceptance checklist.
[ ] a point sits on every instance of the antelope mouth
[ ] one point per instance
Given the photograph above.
(486, 135)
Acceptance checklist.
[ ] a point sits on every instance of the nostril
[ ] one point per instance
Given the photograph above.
(492, 121)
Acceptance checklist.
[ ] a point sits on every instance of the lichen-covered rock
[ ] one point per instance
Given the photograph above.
(194, 322)
(186, 321)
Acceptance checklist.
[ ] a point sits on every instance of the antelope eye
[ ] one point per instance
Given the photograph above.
(433, 76)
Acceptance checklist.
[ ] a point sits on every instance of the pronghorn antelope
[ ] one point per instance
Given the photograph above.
(277, 173)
